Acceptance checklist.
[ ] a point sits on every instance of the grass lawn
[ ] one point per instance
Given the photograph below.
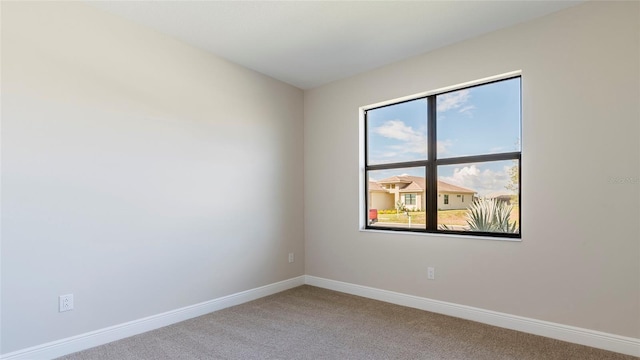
(452, 217)
(416, 218)
(449, 217)
(446, 217)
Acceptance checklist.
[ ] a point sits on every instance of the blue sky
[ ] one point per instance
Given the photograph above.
(479, 120)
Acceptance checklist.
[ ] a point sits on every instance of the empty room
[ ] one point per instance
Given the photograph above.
(320, 180)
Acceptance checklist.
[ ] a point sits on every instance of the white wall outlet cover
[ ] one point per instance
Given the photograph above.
(65, 302)
(431, 273)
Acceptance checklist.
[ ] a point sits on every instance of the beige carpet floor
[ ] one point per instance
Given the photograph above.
(313, 323)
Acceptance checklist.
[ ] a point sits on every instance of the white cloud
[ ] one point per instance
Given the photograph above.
(482, 181)
(397, 129)
(413, 141)
(454, 100)
(467, 110)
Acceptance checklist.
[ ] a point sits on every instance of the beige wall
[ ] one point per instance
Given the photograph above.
(128, 161)
(381, 201)
(455, 202)
(579, 259)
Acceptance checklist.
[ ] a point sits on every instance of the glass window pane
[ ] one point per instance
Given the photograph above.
(479, 197)
(397, 198)
(480, 120)
(397, 133)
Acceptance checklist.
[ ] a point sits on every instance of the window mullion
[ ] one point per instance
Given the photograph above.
(515, 155)
(431, 170)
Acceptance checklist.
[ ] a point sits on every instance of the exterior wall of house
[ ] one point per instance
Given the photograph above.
(456, 201)
(384, 201)
(381, 201)
(419, 203)
(395, 196)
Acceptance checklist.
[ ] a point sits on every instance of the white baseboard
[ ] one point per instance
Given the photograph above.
(596, 339)
(99, 337)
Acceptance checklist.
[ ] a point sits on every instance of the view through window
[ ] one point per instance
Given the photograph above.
(447, 163)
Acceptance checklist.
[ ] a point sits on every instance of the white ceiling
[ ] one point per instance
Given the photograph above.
(311, 43)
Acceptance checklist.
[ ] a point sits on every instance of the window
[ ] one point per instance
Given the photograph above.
(409, 199)
(463, 142)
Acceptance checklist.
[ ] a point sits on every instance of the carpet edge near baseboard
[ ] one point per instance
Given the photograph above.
(109, 334)
(572, 334)
(596, 339)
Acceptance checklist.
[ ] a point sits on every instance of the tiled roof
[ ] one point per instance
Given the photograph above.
(413, 187)
(498, 194)
(417, 183)
(374, 186)
(446, 187)
(400, 179)
(404, 179)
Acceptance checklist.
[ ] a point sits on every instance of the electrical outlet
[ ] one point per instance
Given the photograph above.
(66, 302)
(431, 273)
(291, 258)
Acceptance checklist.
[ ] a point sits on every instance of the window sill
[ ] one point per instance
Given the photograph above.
(458, 236)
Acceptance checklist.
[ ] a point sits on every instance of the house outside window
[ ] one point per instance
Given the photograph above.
(427, 153)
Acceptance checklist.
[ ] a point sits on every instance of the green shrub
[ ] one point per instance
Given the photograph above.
(489, 215)
(387, 211)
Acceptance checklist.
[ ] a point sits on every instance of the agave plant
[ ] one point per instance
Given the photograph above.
(491, 215)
